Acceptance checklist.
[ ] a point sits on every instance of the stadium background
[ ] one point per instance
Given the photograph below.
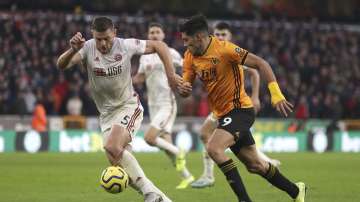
(313, 47)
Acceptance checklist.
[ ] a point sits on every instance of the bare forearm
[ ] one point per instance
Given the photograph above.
(164, 54)
(65, 59)
(261, 65)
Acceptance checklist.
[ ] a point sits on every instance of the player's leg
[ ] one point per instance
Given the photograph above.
(207, 178)
(244, 148)
(162, 121)
(218, 143)
(152, 137)
(124, 125)
(250, 157)
(159, 116)
(186, 176)
(171, 156)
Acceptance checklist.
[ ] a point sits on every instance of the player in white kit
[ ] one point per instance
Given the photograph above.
(222, 31)
(107, 61)
(162, 104)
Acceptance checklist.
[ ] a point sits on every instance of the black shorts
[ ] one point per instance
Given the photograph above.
(238, 122)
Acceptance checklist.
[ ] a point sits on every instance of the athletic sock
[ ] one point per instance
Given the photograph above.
(274, 176)
(233, 177)
(136, 174)
(208, 165)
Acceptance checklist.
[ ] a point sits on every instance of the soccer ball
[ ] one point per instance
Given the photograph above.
(114, 179)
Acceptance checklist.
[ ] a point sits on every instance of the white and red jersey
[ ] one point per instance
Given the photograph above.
(158, 89)
(110, 74)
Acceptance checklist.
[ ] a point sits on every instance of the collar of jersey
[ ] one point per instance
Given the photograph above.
(207, 48)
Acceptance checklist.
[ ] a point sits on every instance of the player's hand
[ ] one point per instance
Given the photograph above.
(174, 82)
(256, 104)
(77, 41)
(185, 89)
(283, 106)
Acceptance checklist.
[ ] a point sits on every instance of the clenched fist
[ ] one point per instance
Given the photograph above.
(77, 41)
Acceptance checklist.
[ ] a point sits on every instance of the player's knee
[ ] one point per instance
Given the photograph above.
(114, 150)
(213, 151)
(150, 140)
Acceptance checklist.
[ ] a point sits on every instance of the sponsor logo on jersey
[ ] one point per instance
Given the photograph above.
(207, 74)
(111, 71)
(114, 71)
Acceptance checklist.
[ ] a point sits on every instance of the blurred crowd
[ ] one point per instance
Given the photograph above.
(317, 65)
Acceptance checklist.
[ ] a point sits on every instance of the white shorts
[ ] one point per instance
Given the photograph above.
(129, 117)
(162, 117)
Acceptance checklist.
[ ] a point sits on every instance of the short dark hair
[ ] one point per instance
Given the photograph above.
(155, 24)
(194, 24)
(222, 26)
(101, 24)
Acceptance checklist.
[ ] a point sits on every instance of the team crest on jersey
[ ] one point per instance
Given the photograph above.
(97, 59)
(118, 57)
(240, 51)
(215, 61)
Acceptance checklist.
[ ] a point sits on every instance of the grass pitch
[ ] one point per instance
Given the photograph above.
(59, 177)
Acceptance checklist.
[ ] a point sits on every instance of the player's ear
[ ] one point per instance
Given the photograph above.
(198, 36)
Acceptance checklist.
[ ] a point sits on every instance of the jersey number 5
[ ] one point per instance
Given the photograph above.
(125, 120)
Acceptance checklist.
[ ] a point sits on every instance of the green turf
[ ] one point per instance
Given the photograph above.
(54, 177)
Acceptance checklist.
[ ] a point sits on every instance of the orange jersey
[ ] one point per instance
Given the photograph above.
(220, 71)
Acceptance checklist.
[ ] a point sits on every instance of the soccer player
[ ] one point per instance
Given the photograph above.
(222, 31)
(107, 60)
(216, 63)
(162, 104)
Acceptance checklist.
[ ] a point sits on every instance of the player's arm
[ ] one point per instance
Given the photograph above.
(277, 98)
(162, 50)
(255, 86)
(72, 55)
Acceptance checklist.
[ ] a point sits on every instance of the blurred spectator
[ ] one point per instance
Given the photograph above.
(39, 120)
(302, 111)
(74, 105)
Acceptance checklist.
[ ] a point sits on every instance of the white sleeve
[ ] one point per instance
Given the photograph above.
(177, 59)
(84, 50)
(135, 46)
(142, 64)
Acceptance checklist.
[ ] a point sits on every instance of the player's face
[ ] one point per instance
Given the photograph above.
(193, 43)
(223, 34)
(104, 40)
(156, 33)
